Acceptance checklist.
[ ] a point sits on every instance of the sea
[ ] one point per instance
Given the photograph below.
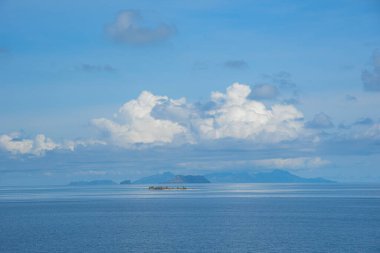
(204, 218)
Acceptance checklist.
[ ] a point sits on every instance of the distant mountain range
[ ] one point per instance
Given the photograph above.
(190, 179)
(170, 178)
(275, 176)
(125, 182)
(156, 179)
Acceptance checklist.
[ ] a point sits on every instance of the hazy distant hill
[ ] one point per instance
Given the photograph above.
(170, 178)
(125, 182)
(230, 177)
(189, 179)
(275, 176)
(94, 182)
(156, 179)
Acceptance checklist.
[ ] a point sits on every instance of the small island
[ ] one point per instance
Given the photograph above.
(166, 188)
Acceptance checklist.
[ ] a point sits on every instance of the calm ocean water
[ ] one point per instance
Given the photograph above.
(206, 218)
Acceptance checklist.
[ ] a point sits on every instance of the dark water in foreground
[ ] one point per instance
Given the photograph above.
(207, 218)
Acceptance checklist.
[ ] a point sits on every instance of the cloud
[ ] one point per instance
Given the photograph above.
(351, 98)
(264, 91)
(292, 163)
(283, 79)
(152, 119)
(134, 123)
(295, 163)
(358, 127)
(291, 101)
(364, 121)
(280, 86)
(361, 137)
(236, 64)
(73, 144)
(128, 28)
(320, 121)
(37, 146)
(372, 133)
(96, 68)
(237, 116)
(371, 78)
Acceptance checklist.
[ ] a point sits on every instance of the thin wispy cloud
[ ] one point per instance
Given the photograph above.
(371, 77)
(129, 28)
(283, 79)
(351, 98)
(264, 91)
(236, 64)
(293, 163)
(97, 68)
(364, 121)
(320, 121)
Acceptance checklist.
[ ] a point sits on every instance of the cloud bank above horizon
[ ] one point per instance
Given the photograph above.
(151, 120)
(234, 120)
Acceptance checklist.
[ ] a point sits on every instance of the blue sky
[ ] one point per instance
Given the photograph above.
(266, 84)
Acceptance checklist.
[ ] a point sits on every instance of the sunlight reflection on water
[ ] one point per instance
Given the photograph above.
(193, 191)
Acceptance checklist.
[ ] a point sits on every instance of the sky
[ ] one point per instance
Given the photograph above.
(123, 89)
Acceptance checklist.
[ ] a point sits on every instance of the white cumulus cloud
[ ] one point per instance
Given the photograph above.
(37, 146)
(152, 119)
(237, 116)
(158, 120)
(134, 123)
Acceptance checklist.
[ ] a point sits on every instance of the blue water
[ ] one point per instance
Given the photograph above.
(206, 218)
